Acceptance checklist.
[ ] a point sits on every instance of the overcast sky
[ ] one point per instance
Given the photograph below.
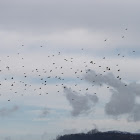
(68, 66)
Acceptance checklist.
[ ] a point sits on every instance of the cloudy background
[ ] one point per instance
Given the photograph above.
(78, 41)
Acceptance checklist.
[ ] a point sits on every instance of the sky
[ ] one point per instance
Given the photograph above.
(68, 67)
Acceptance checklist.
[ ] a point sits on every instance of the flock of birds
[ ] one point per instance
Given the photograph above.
(44, 76)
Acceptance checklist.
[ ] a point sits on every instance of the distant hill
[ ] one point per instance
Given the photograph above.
(96, 135)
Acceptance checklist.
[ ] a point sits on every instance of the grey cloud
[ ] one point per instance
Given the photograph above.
(44, 113)
(5, 112)
(121, 102)
(123, 99)
(80, 103)
(135, 115)
(45, 15)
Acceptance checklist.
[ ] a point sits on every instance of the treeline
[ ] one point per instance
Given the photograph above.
(96, 135)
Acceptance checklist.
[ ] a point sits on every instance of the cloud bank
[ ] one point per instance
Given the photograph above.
(123, 99)
(43, 15)
(80, 104)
